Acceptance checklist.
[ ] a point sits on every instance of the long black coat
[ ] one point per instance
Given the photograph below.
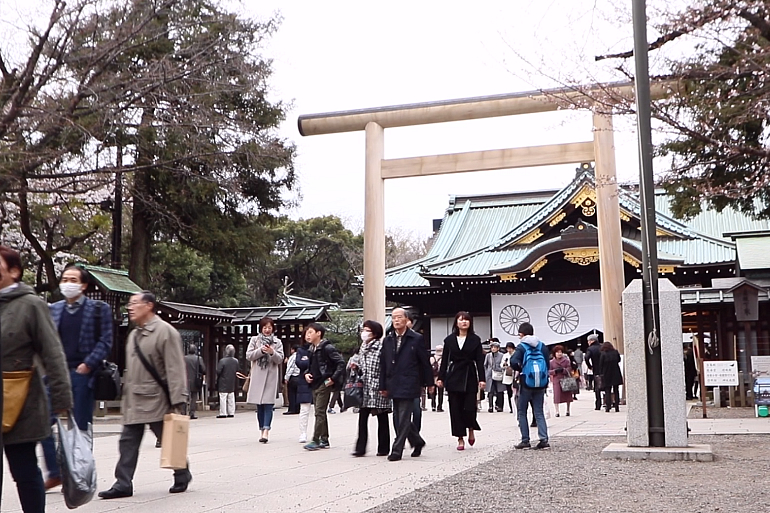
(462, 369)
(404, 373)
(609, 368)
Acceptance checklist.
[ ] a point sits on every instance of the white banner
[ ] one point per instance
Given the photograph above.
(556, 316)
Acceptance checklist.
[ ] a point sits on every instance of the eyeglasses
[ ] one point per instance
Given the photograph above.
(136, 303)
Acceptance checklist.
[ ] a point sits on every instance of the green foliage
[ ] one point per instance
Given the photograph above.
(319, 256)
(343, 331)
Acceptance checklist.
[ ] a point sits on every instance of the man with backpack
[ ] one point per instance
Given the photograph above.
(531, 359)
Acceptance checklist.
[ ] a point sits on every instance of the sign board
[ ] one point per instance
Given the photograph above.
(720, 373)
(760, 366)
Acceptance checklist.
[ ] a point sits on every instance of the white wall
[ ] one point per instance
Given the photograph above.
(440, 327)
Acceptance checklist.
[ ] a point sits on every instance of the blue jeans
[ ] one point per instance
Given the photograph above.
(22, 463)
(265, 415)
(535, 397)
(83, 399)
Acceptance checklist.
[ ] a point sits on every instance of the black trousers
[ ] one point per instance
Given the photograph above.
(22, 462)
(437, 399)
(291, 387)
(403, 409)
(128, 447)
(383, 431)
(609, 393)
(462, 412)
(598, 395)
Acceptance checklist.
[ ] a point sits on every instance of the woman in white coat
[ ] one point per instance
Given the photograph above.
(265, 352)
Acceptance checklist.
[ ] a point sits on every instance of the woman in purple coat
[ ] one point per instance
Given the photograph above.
(560, 367)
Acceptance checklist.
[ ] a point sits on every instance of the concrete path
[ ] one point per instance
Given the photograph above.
(233, 472)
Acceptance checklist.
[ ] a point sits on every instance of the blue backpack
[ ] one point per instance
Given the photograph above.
(534, 369)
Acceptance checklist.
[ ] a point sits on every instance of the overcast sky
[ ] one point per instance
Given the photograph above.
(341, 55)
(332, 56)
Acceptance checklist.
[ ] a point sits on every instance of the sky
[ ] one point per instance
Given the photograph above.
(342, 55)
(332, 56)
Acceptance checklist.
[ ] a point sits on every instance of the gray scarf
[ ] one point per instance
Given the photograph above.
(264, 360)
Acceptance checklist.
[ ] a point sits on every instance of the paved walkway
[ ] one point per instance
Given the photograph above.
(233, 472)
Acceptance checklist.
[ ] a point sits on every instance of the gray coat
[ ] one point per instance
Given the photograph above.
(194, 363)
(29, 339)
(493, 361)
(263, 386)
(143, 398)
(226, 379)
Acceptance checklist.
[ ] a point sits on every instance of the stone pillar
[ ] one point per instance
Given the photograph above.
(374, 225)
(635, 380)
(608, 222)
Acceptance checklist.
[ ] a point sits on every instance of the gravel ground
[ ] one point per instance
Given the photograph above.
(696, 412)
(572, 477)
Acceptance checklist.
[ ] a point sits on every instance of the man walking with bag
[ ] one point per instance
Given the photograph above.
(531, 359)
(196, 369)
(155, 384)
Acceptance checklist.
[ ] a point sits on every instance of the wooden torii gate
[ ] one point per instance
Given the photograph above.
(601, 150)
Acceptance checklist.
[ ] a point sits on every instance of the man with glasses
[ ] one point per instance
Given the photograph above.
(155, 384)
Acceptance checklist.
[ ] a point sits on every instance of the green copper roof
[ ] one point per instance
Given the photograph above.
(113, 280)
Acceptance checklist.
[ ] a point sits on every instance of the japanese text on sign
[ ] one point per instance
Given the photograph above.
(720, 373)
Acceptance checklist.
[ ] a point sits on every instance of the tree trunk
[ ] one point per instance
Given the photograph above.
(141, 216)
(26, 228)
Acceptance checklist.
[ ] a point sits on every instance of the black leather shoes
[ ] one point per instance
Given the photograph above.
(181, 483)
(394, 457)
(417, 451)
(114, 493)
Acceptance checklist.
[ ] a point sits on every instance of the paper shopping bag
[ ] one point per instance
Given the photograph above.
(173, 443)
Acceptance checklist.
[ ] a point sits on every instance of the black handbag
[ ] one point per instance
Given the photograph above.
(354, 391)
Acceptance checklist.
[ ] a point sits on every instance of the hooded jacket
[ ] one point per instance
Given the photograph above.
(29, 339)
(517, 360)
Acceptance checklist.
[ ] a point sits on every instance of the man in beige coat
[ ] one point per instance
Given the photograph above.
(145, 401)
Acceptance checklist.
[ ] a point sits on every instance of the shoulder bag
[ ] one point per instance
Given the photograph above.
(15, 390)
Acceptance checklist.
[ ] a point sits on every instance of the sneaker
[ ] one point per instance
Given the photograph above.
(523, 445)
(312, 446)
(303, 439)
(543, 445)
(323, 444)
(330, 410)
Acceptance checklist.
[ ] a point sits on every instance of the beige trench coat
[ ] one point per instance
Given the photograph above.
(143, 398)
(264, 382)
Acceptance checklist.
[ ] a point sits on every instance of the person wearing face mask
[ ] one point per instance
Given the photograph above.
(85, 329)
(367, 363)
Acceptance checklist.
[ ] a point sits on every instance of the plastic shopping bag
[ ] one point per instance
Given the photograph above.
(76, 463)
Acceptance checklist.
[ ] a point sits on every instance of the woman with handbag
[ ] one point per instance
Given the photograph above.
(367, 363)
(462, 375)
(560, 368)
(265, 352)
(28, 334)
(494, 376)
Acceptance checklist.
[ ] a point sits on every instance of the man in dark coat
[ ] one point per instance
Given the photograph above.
(592, 362)
(196, 369)
(404, 371)
(226, 381)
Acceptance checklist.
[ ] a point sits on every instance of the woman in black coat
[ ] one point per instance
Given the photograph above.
(462, 375)
(304, 392)
(609, 368)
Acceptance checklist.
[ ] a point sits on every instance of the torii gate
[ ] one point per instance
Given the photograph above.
(601, 150)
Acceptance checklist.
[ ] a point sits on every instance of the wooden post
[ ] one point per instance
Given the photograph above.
(374, 225)
(608, 221)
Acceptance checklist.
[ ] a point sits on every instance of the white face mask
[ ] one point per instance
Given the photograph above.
(70, 290)
(365, 336)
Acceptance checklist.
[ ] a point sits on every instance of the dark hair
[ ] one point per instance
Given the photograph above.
(12, 260)
(148, 297)
(462, 315)
(607, 346)
(494, 339)
(557, 348)
(510, 344)
(526, 328)
(317, 327)
(294, 347)
(84, 275)
(411, 316)
(264, 321)
(376, 328)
